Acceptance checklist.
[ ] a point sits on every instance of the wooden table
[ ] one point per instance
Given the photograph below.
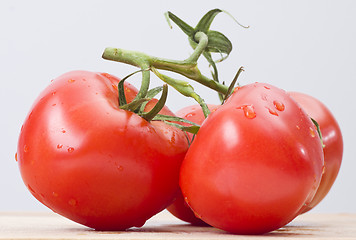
(165, 226)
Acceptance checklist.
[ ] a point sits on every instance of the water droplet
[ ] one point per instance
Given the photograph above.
(249, 111)
(72, 202)
(266, 87)
(71, 80)
(120, 168)
(323, 170)
(190, 115)
(55, 194)
(272, 111)
(59, 146)
(53, 93)
(70, 149)
(297, 127)
(54, 104)
(16, 157)
(312, 132)
(25, 148)
(278, 105)
(114, 87)
(63, 131)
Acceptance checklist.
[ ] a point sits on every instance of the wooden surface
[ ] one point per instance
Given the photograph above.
(164, 226)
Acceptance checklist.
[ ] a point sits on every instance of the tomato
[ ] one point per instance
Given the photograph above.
(179, 208)
(194, 113)
(94, 163)
(332, 139)
(255, 162)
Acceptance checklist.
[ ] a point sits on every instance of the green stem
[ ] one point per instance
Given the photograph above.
(145, 84)
(184, 88)
(187, 68)
(202, 40)
(121, 87)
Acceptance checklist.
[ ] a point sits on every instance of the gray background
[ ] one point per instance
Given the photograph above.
(306, 46)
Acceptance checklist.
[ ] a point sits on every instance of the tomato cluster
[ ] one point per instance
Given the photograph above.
(98, 151)
(258, 157)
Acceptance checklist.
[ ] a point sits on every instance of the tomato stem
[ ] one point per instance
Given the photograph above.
(233, 83)
(187, 68)
(145, 84)
(184, 88)
(204, 42)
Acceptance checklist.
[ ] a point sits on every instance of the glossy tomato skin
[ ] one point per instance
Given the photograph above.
(98, 165)
(332, 140)
(179, 207)
(194, 113)
(254, 162)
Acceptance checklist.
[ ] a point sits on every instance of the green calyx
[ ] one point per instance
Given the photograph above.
(138, 106)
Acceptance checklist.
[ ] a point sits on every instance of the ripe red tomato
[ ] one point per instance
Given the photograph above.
(332, 139)
(96, 164)
(179, 208)
(194, 113)
(254, 163)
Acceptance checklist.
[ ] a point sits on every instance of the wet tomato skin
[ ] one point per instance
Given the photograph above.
(98, 165)
(254, 163)
(332, 140)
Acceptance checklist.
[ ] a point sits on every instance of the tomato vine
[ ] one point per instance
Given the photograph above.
(203, 41)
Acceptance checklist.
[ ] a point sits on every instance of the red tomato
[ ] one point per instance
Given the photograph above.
(254, 163)
(332, 139)
(96, 164)
(194, 113)
(179, 208)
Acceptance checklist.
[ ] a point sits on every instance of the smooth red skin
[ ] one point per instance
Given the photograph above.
(98, 165)
(252, 175)
(332, 139)
(179, 208)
